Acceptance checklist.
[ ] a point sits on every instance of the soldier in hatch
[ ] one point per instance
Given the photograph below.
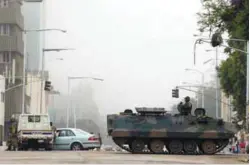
(185, 109)
(12, 139)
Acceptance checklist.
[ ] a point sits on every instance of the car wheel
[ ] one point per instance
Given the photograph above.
(48, 147)
(76, 147)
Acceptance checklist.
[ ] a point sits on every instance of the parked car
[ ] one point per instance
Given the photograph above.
(75, 139)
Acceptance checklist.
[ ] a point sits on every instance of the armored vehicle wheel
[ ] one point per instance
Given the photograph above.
(208, 147)
(156, 146)
(175, 146)
(190, 146)
(137, 146)
(119, 141)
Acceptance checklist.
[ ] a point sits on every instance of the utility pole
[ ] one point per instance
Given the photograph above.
(247, 92)
(217, 83)
(43, 66)
(203, 83)
(69, 96)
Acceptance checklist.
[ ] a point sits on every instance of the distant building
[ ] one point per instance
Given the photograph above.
(58, 107)
(226, 108)
(32, 13)
(33, 93)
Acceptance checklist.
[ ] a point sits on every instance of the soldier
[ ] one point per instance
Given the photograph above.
(187, 106)
(12, 139)
(53, 130)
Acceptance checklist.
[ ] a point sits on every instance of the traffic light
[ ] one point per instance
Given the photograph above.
(175, 93)
(47, 86)
(216, 39)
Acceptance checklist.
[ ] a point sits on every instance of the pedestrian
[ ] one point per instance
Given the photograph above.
(53, 130)
(12, 142)
(242, 146)
(237, 146)
(230, 145)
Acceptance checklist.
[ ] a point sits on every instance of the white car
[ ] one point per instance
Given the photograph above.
(75, 139)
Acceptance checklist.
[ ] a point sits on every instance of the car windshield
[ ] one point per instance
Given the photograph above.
(82, 132)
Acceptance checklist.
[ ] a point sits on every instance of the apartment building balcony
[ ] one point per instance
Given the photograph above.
(11, 43)
(5, 69)
(12, 16)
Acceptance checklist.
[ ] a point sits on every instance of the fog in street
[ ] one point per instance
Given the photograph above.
(140, 48)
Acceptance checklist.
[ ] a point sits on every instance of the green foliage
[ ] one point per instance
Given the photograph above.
(223, 16)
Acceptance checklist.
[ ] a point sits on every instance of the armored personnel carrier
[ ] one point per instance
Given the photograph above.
(153, 130)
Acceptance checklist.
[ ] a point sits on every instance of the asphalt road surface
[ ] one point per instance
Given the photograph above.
(104, 157)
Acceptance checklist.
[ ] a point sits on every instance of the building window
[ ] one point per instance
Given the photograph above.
(2, 96)
(5, 57)
(4, 3)
(4, 29)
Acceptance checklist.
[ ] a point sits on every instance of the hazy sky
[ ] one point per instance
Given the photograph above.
(139, 47)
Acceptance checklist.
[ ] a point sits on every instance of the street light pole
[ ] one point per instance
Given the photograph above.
(203, 99)
(217, 83)
(68, 102)
(202, 85)
(24, 58)
(42, 74)
(197, 103)
(69, 98)
(42, 78)
(247, 92)
(208, 40)
(24, 72)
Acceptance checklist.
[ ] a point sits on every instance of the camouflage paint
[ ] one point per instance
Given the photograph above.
(167, 126)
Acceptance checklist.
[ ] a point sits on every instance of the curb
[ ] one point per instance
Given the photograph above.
(246, 160)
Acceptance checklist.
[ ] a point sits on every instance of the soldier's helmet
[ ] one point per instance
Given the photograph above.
(187, 99)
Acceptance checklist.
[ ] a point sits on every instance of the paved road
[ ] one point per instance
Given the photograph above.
(101, 157)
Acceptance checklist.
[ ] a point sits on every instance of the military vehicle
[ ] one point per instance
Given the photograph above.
(153, 130)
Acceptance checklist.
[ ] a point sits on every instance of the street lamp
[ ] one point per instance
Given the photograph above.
(42, 79)
(208, 40)
(74, 78)
(24, 58)
(202, 83)
(211, 59)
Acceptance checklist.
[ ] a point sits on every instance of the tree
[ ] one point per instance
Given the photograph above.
(231, 18)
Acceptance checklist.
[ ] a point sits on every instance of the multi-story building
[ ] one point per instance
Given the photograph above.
(32, 13)
(11, 53)
(2, 89)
